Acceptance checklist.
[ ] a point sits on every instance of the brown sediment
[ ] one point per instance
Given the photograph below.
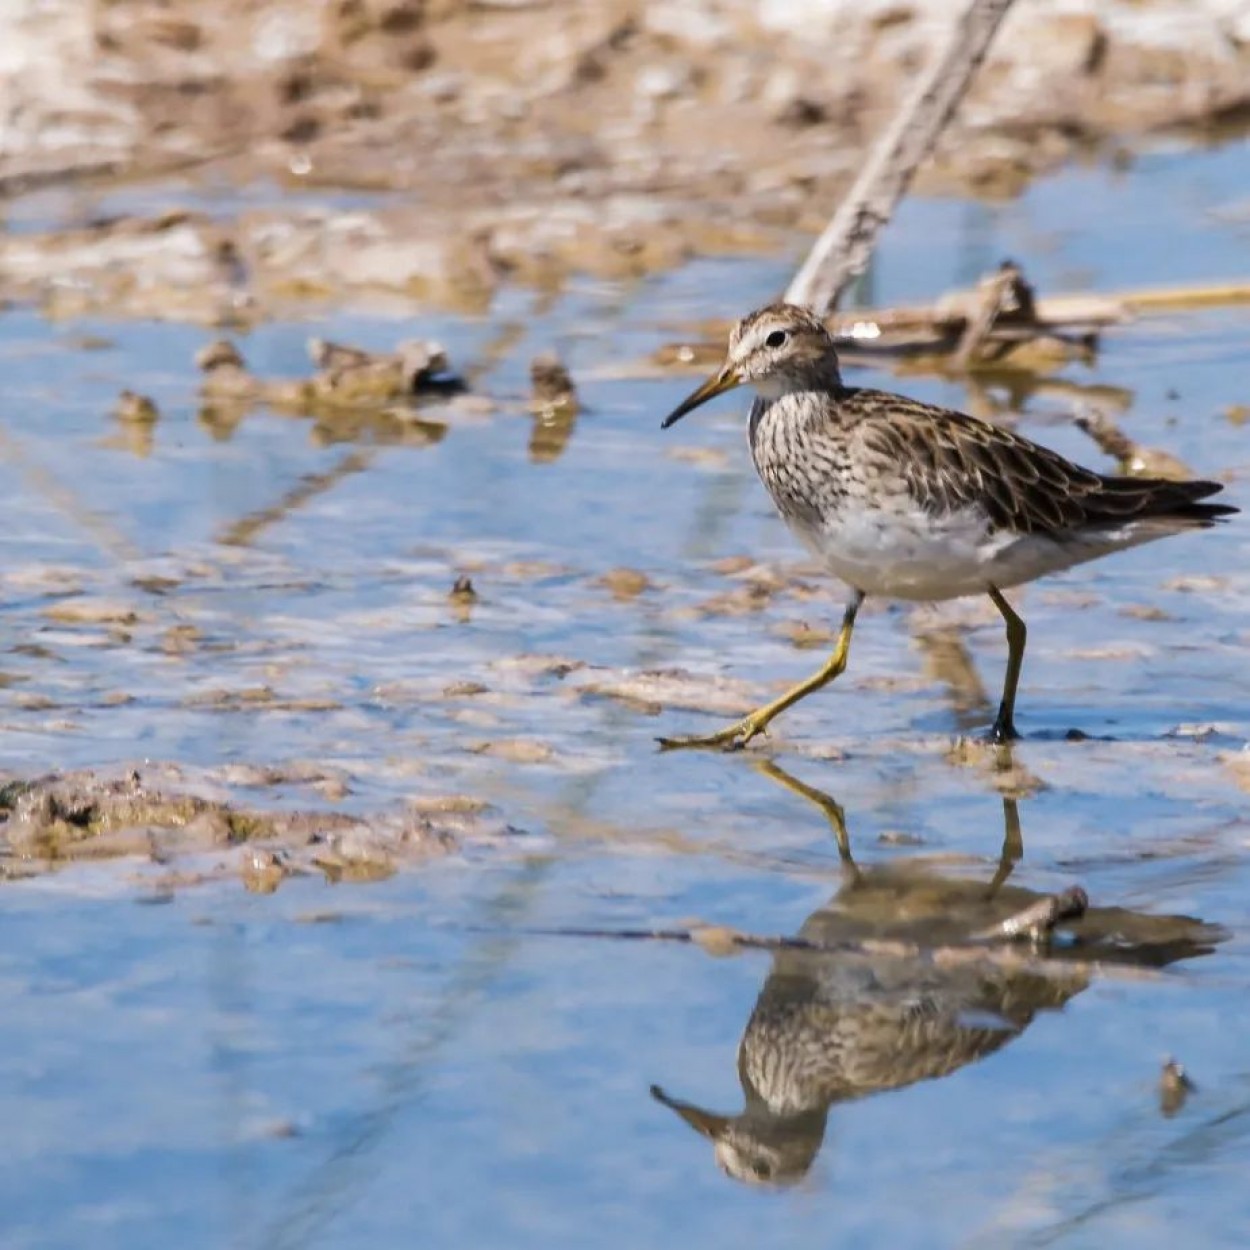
(597, 151)
(50, 821)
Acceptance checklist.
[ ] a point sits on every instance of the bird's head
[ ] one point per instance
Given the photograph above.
(775, 349)
(752, 1148)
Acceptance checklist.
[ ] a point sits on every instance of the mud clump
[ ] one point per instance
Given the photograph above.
(55, 818)
(352, 375)
(551, 384)
(554, 403)
(353, 392)
(135, 409)
(624, 584)
(463, 598)
(345, 376)
(49, 821)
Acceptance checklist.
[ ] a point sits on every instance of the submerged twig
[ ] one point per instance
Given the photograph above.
(1001, 290)
(1039, 919)
(68, 500)
(842, 252)
(936, 330)
(1182, 298)
(999, 945)
(1131, 458)
(244, 529)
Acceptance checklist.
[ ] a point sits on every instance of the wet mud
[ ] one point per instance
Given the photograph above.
(406, 153)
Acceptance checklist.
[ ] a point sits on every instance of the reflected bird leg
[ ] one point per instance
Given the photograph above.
(741, 732)
(1013, 846)
(827, 804)
(1004, 729)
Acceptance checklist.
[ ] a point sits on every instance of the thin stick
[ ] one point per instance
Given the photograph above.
(69, 501)
(243, 530)
(841, 253)
(1181, 298)
(993, 295)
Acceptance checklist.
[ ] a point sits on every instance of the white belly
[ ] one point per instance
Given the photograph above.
(912, 555)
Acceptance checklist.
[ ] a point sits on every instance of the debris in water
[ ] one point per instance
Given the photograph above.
(262, 870)
(1174, 1087)
(135, 409)
(554, 403)
(1131, 459)
(625, 583)
(463, 598)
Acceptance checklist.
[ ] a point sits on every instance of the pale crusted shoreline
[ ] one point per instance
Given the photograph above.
(491, 142)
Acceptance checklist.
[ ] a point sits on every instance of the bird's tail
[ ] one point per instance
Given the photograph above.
(1157, 499)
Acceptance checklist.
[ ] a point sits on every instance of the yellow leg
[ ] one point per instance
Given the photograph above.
(1005, 722)
(741, 732)
(826, 802)
(1013, 845)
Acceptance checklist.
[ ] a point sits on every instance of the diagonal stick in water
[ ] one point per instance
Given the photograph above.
(843, 250)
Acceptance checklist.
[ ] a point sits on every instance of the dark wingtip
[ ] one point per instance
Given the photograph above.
(1203, 513)
(1165, 500)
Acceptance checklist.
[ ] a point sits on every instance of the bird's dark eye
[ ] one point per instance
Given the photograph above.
(775, 339)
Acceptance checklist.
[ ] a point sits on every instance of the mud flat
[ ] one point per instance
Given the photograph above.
(427, 152)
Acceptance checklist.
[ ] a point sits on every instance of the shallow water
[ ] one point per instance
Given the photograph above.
(421, 1061)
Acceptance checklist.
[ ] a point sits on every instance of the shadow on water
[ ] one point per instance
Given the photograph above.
(829, 1028)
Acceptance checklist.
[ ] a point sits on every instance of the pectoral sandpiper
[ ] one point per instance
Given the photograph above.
(908, 501)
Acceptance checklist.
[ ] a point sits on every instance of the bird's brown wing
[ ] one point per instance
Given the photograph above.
(951, 461)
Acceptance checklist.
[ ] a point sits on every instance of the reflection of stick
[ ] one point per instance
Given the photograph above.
(69, 502)
(241, 532)
(841, 253)
(1039, 919)
(994, 947)
(992, 296)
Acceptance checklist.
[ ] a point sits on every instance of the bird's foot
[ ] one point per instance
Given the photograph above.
(1002, 732)
(734, 738)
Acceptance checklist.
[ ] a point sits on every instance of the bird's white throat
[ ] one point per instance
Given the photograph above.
(776, 385)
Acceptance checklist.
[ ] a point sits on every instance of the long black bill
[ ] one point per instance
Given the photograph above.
(724, 381)
(708, 1123)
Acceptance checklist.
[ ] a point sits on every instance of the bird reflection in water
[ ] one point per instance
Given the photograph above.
(831, 1027)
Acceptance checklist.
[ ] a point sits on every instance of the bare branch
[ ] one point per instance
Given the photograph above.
(842, 252)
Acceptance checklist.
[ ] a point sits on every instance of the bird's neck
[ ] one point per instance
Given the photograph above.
(823, 377)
